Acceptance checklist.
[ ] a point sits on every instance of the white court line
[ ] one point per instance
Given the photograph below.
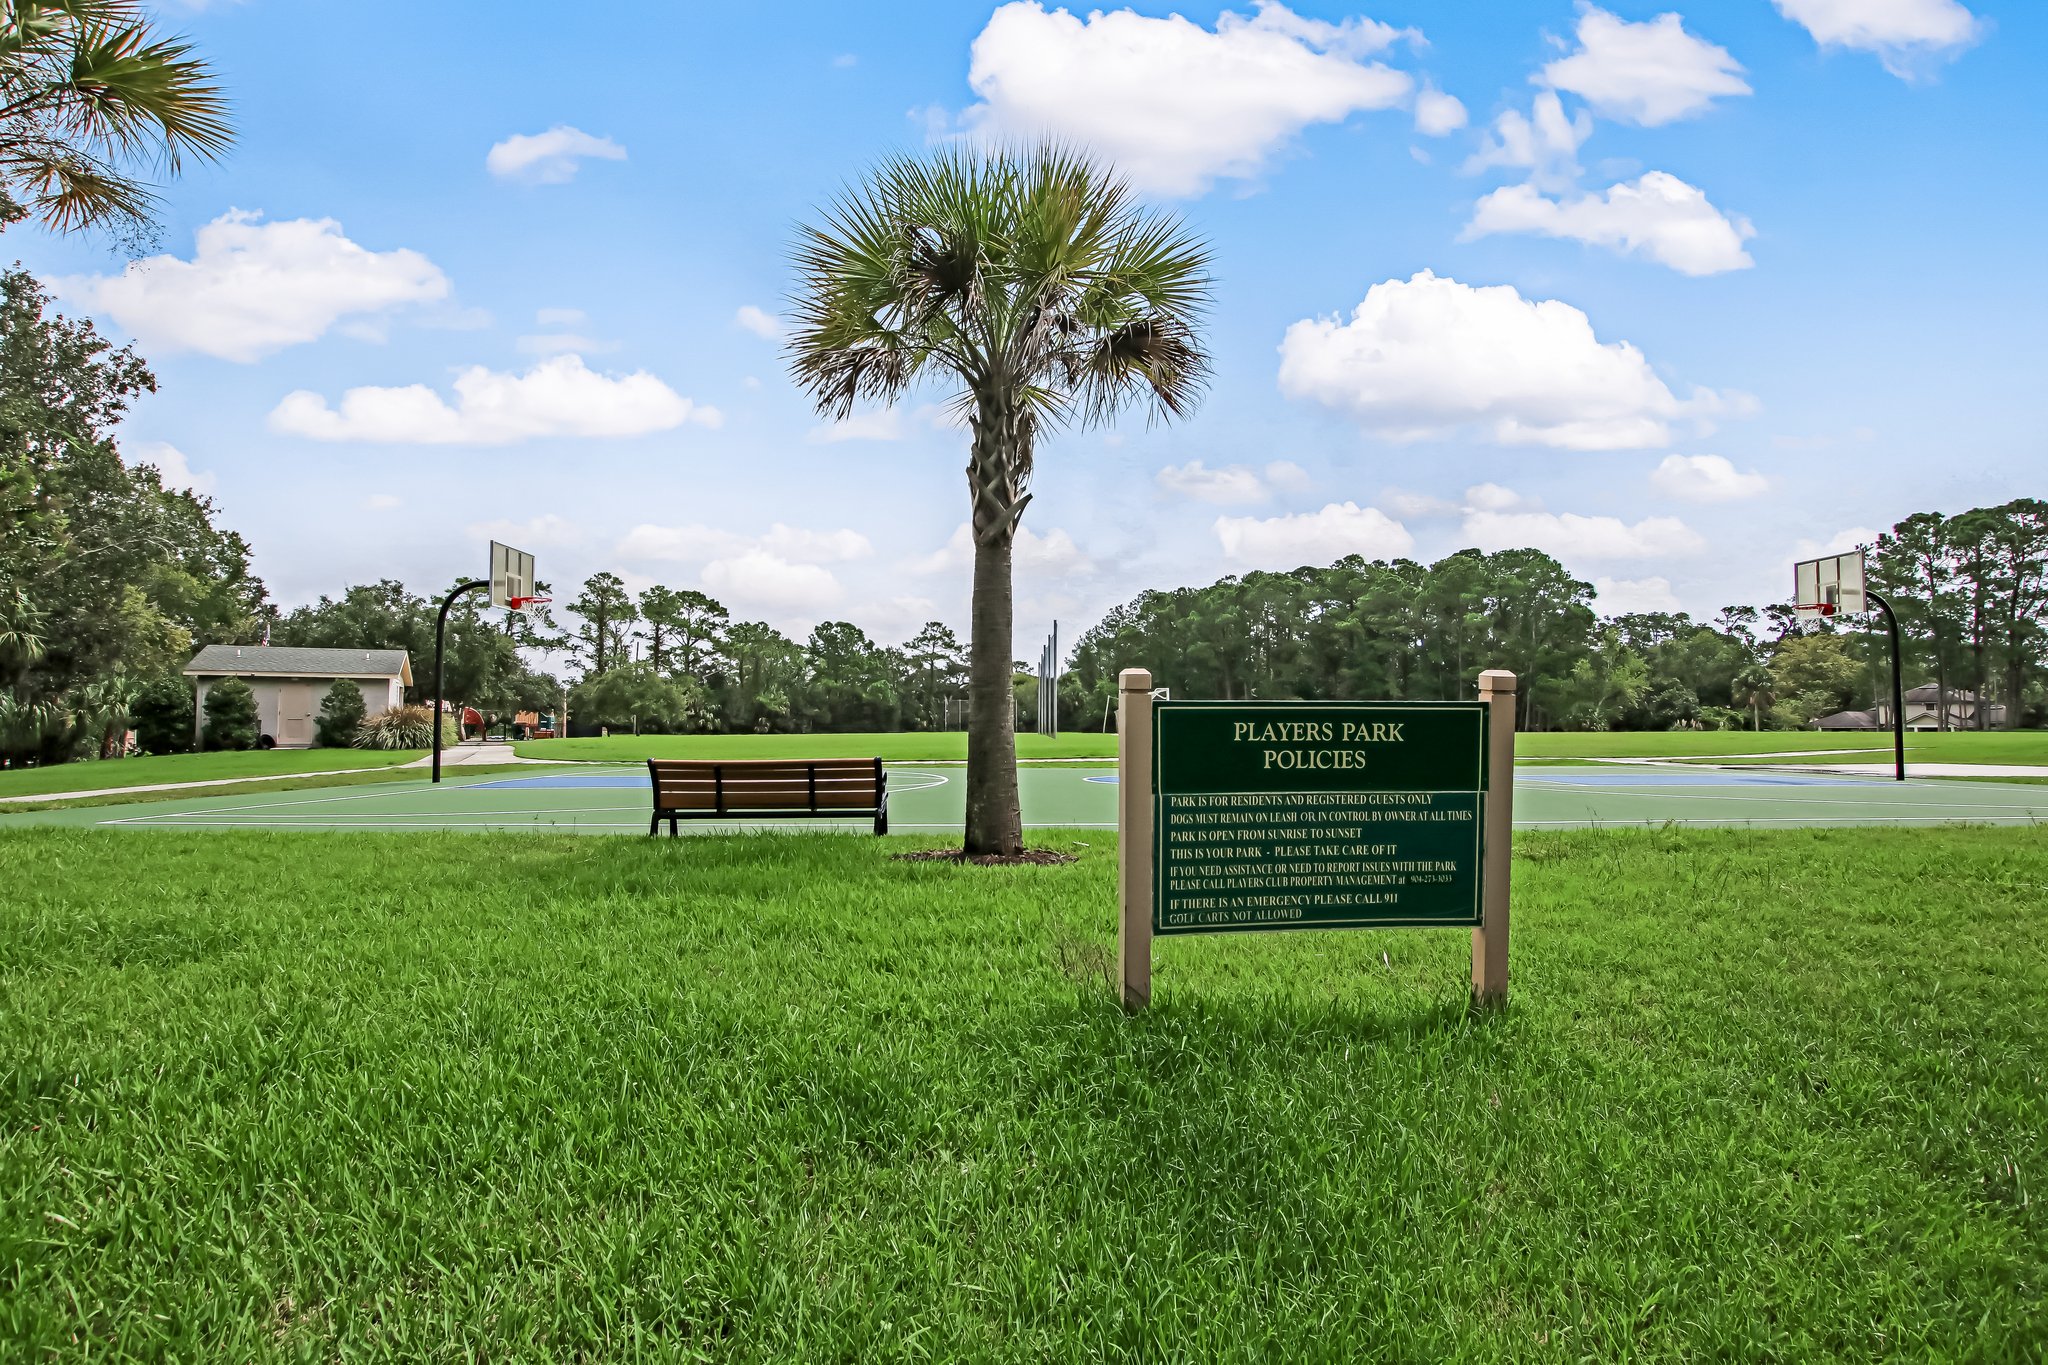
(1646, 793)
(1815, 822)
(330, 799)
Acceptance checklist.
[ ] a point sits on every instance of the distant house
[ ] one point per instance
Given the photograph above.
(1923, 710)
(290, 683)
(1847, 720)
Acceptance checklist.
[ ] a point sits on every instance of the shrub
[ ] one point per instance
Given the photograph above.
(405, 727)
(341, 715)
(231, 715)
(163, 716)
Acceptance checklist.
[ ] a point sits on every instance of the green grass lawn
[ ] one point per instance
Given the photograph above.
(1757, 1097)
(923, 747)
(141, 772)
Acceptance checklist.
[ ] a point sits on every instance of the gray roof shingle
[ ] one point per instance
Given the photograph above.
(271, 661)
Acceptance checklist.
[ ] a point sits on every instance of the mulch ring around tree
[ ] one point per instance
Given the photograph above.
(1032, 857)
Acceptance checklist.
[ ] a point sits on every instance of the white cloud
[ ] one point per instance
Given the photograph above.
(1233, 485)
(889, 424)
(757, 580)
(252, 287)
(1431, 358)
(544, 532)
(557, 397)
(845, 61)
(1905, 34)
(1649, 73)
(382, 502)
(1544, 142)
(1492, 497)
(561, 317)
(1840, 543)
(1437, 113)
(172, 468)
(563, 343)
(1657, 215)
(1052, 554)
(1571, 537)
(1412, 506)
(883, 424)
(1287, 476)
(550, 158)
(1620, 596)
(1172, 105)
(693, 544)
(1288, 542)
(759, 321)
(1705, 478)
(1480, 497)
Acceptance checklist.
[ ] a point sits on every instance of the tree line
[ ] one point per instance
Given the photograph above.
(674, 659)
(1971, 592)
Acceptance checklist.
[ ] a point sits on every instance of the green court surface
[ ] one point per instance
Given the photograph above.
(602, 800)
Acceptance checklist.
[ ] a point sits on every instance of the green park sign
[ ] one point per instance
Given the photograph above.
(1243, 816)
(1313, 815)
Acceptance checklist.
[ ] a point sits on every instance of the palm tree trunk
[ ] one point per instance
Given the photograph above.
(995, 823)
(997, 468)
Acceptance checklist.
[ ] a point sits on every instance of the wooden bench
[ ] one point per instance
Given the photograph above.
(767, 789)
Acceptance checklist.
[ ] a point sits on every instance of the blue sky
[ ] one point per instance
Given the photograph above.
(1673, 298)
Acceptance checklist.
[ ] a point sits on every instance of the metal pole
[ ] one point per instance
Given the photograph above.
(440, 630)
(1054, 729)
(1891, 621)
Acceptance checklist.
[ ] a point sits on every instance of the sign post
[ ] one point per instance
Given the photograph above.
(1249, 816)
(1490, 935)
(1134, 844)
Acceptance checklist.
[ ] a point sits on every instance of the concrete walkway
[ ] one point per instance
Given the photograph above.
(459, 755)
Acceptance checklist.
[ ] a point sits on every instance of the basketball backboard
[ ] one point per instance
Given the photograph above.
(1829, 586)
(511, 576)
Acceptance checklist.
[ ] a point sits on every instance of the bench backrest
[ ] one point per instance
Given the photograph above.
(695, 784)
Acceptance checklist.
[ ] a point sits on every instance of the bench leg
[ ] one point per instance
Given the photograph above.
(654, 825)
(882, 820)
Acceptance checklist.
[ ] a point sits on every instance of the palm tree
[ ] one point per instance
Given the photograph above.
(1031, 284)
(1758, 689)
(86, 88)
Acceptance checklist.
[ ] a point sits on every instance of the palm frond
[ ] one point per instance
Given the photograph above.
(88, 86)
(1033, 271)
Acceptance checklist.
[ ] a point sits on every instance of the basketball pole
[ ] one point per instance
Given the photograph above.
(1891, 621)
(440, 633)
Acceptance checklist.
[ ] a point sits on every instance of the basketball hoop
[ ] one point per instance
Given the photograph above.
(1816, 608)
(522, 603)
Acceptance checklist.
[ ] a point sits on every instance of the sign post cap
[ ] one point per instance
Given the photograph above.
(1135, 680)
(1497, 680)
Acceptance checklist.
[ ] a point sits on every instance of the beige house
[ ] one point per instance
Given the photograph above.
(290, 683)
(1923, 710)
